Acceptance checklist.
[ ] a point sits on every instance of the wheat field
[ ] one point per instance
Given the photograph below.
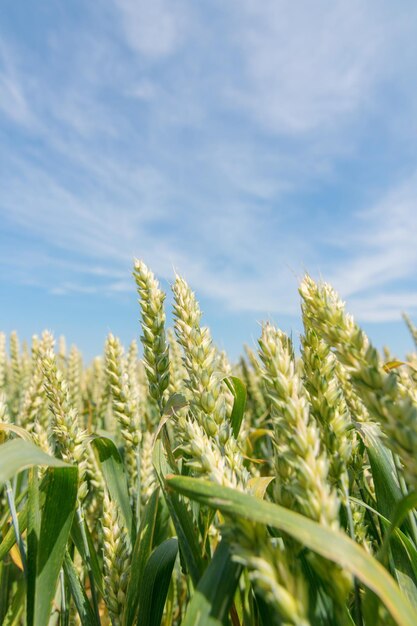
(176, 487)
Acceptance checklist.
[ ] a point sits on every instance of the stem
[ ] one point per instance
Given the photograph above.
(4, 588)
(165, 437)
(376, 529)
(404, 491)
(138, 490)
(358, 605)
(64, 607)
(15, 522)
(168, 448)
(17, 501)
(234, 616)
(81, 523)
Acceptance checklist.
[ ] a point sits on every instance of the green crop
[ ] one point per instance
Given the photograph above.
(181, 489)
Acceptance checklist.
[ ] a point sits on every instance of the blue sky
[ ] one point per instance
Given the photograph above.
(239, 142)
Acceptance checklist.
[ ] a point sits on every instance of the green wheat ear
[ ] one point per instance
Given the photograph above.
(153, 506)
(388, 402)
(155, 347)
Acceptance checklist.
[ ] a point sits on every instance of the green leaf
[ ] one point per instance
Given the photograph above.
(211, 601)
(81, 601)
(141, 552)
(156, 579)
(115, 476)
(401, 510)
(33, 532)
(9, 538)
(259, 484)
(57, 514)
(267, 615)
(181, 518)
(383, 471)
(18, 500)
(175, 402)
(238, 390)
(17, 430)
(389, 502)
(18, 454)
(4, 588)
(17, 605)
(76, 536)
(397, 533)
(391, 365)
(329, 543)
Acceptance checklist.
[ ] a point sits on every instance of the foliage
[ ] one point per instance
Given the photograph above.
(180, 489)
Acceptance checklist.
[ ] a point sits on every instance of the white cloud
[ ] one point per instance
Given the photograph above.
(13, 100)
(217, 249)
(382, 242)
(309, 65)
(154, 29)
(144, 90)
(196, 165)
(379, 257)
(384, 307)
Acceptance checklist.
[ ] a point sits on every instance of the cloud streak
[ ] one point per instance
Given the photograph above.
(153, 29)
(219, 141)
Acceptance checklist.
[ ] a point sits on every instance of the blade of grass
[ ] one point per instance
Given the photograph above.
(17, 455)
(81, 601)
(77, 538)
(56, 520)
(400, 513)
(156, 579)
(238, 389)
(181, 519)
(213, 597)
(330, 544)
(33, 532)
(389, 497)
(15, 524)
(140, 556)
(14, 613)
(115, 476)
(88, 556)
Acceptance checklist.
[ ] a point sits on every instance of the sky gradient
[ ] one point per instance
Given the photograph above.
(239, 143)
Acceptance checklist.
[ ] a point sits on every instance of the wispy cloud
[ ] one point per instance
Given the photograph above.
(154, 29)
(220, 150)
(384, 307)
(381, 255)
(308, 66)
(13, 100)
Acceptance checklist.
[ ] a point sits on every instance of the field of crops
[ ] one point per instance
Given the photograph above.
(179, 488)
